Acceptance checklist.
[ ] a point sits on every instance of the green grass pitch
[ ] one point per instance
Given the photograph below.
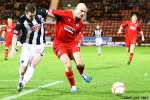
(105, 70)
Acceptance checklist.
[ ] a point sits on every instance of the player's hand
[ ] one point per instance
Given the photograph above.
(143, 39)
(12, 52)
(119, 32)
(51, 15)
(3, 36)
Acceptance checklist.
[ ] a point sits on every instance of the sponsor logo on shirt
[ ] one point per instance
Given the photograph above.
(69, 29)
(36, 27)
(132, 28)
(8, 30)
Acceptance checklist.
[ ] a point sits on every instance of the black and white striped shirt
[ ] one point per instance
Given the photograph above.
(33, 31)
(98, 33)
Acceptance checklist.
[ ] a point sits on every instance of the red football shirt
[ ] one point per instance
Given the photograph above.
(9, 29)
(66, 29)
(80, 36)
(132, 29)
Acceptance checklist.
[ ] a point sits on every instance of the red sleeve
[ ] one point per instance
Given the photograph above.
(140, 28)
(60, 12)
(124, 24)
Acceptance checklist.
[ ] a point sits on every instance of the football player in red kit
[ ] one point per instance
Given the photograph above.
(69, 25)
(8, 34)
(131, 35)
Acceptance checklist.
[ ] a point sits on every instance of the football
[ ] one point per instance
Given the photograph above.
(118, 88)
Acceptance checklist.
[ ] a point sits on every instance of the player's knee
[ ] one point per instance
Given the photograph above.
(69, 66)
(80, 65)
(6, 49)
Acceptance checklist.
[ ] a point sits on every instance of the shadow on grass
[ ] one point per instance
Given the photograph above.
(138, 91)
(105, 67)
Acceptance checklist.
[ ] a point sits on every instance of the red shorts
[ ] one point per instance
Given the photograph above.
(59, 50)
(8, 43)
(130, 41)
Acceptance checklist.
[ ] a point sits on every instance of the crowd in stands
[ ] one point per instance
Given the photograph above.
(113, 8)
(99, 10)
(15, 8)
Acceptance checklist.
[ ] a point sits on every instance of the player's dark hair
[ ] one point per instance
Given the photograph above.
(30, 8)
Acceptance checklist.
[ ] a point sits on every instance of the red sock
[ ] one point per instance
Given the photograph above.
(131, 56)
(70, 77)
(6, 52)
(80, 69)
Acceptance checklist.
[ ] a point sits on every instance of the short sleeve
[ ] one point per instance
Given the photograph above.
(124, 24)
(17, 28)
(140, 28)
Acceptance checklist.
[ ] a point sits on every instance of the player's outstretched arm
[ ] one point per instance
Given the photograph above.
(120, 30)
(13, 50)
(141, 32)
(3, 34)
(50, 14)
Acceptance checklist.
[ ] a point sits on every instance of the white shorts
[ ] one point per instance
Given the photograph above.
(30, 50)
(98, 41)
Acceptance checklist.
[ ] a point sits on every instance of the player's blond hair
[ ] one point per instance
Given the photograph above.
(134, 15)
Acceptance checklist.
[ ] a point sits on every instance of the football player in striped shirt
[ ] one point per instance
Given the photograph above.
(98, 38)
(33, 42)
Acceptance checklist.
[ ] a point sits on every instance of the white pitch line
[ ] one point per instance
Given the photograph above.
(31, 90)
(8, 80)
(30, 80)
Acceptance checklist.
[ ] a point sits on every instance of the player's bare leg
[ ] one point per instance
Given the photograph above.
(69, 73)
(22, 70)
(6, 53)
(132, 46)
(128, 49)
(29, 72)
(80, 66)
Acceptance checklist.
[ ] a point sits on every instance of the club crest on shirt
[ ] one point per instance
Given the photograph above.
(77, 24)
(68, 19)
